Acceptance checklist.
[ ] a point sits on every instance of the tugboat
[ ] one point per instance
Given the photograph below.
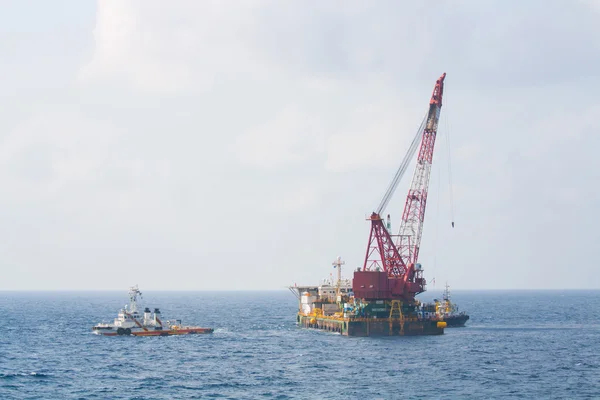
(448, 311)
(130, 322)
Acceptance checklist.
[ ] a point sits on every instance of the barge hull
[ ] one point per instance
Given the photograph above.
(371, 326)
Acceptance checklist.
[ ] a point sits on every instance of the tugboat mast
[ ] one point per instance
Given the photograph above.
(446, 295)
(133, 294)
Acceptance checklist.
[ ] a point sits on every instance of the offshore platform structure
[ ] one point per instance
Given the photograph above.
(382, 296)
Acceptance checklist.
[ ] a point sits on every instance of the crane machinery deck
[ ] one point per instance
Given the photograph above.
(380, 299)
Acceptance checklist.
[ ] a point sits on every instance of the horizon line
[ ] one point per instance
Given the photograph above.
(287, 288)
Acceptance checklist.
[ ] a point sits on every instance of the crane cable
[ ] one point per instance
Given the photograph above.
(449, 160)
(439, 182)
(407, 158)
(437, 220)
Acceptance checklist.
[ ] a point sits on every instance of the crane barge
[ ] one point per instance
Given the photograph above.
(381, 301)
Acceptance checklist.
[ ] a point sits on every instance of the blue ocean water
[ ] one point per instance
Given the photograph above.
(536, 345)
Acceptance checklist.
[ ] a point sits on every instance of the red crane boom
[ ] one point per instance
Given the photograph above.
(390, 270)
(411, 228)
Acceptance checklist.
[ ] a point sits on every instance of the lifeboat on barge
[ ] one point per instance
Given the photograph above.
(130, 322)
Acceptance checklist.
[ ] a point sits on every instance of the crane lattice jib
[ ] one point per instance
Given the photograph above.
(382, 254)
(411, 227)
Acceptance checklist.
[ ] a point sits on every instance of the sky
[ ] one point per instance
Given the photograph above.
(210, 145)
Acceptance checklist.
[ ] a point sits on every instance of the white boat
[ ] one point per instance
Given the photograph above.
(130, 322)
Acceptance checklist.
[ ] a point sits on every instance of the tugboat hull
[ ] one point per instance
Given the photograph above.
(152, 332)
(455, 321)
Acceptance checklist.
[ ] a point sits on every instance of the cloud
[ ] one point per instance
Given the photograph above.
(287, 49)
(165, 49)
(200, 43)
(291, 137)
(198, 133)
(375, 135)
(593, 4)
(75, 164)
(334, 94)
(296, 197)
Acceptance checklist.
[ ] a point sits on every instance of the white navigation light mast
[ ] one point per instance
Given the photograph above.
(338, 264)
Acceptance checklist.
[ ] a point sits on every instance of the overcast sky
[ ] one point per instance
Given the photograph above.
(191, 144)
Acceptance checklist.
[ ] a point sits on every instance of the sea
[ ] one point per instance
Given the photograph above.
(516, 345)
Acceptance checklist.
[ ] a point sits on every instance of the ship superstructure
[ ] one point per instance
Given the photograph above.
(130, 322)
(324, 297)
(382, 300)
